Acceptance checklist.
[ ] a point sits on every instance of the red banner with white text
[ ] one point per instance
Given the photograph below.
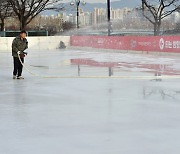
(136, 43)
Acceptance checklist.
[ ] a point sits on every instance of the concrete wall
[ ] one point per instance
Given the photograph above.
(36, 43)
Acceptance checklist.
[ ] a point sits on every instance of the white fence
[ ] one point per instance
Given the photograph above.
(36, 43)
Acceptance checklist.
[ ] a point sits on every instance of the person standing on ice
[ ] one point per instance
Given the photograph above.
(19, 45)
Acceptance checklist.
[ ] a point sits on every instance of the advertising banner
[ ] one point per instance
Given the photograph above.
(136, 43)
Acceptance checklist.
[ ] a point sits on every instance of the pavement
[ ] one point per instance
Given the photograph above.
(73, 105)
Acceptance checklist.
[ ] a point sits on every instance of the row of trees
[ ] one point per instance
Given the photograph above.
(24, 10)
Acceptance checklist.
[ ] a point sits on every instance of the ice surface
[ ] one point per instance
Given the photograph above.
(89, 115)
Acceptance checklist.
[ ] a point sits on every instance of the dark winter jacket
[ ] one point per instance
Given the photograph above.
(19, 45)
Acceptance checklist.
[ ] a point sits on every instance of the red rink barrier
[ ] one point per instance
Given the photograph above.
(136, 43)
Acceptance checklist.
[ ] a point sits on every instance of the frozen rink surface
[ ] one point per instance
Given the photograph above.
(95, 114)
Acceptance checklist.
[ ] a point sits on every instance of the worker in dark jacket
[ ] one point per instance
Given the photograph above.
(19, 45)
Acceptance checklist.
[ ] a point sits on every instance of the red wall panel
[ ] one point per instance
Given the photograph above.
(136, 43)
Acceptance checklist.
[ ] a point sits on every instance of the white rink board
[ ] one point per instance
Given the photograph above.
(36, 43)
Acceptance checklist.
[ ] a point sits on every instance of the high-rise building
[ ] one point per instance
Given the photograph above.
(177, 17)
(99, 15)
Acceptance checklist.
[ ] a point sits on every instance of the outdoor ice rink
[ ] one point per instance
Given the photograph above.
(91, 102)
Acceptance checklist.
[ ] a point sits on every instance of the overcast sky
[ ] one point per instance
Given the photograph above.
(92, 1)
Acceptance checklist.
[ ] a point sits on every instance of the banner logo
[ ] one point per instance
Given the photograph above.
(161, 43)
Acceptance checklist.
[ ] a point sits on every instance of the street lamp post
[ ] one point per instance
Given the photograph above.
(77, 3)
(109, 17)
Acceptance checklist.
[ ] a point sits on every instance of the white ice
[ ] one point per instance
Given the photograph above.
(88, 115)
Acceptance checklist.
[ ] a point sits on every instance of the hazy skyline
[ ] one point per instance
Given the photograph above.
(92, 1)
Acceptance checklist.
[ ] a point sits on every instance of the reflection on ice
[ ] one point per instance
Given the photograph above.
(159, 92)
(156, 69)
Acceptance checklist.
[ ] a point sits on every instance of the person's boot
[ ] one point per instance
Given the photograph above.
(14, 76)
(20, 77)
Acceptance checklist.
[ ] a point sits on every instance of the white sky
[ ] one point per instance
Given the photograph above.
(92, 1)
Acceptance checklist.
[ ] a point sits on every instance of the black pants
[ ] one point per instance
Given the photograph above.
(17, 66)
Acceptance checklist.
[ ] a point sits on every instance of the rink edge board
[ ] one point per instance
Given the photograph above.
(36, 43)
(129, 43)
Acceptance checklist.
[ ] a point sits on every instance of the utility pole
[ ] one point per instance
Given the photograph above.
(109, 17)
(77, 3)
(77, 9)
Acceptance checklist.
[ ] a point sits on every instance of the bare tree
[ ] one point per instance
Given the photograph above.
(5, 12)
(156, 10)
(26, 10)
(68, 26)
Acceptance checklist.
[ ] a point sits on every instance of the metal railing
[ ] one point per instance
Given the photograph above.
(29, 33)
